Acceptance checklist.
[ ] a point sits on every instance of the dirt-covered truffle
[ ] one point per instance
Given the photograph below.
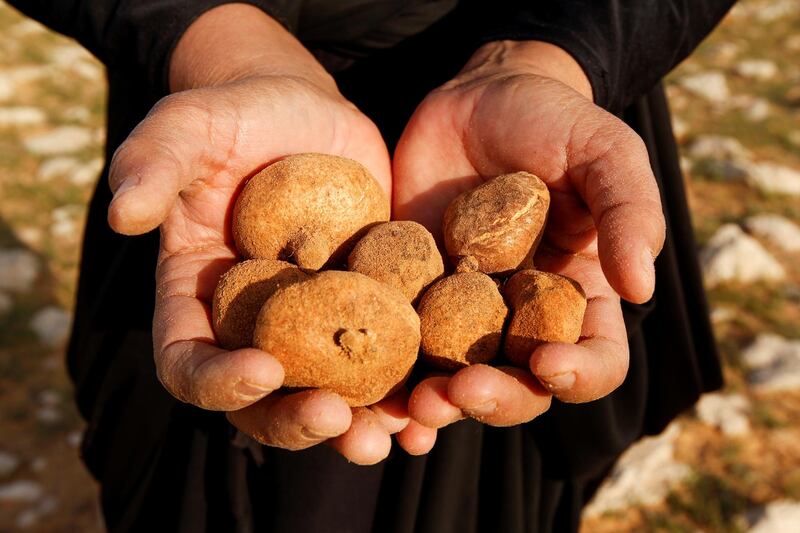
(307, 209)
(401, 254)
(241, 292)
(461, 319)
(341, 331)
(496, 227)
(545, 308)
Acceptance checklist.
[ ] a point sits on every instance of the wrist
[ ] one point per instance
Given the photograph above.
(237, 41)
(532, 57)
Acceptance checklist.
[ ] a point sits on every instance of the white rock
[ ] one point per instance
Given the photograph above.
(31, 516)
(69, 54)
(774, 363)
(775, 229)
(51, 325)
(710, 85)
(777, 10)
(90, 71)
(65, 225)
(56, 167)
(8, 464)
(772, 178)
(724, 52)
(6, 87)
(732, 255)
(718, 148)
(758, 110)
(19, 268)
(643, 475)
(21, 116)
(87, 174)
(48, 397)
(48, 415)
(722, 314)
(782, 516)
(6, 303)
(22, 490)
(74, 438)
(679, 128)
(27, 27)
(757, 69)
(62, 140)
(727, 412)
(30, 235)
(77, 114)
(26, 74)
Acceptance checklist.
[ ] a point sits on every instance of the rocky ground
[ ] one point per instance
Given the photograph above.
(733, 464)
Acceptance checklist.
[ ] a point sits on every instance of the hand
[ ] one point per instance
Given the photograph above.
(245, 98)
(527, 106)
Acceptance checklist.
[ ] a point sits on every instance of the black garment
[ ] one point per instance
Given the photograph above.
(171, 467)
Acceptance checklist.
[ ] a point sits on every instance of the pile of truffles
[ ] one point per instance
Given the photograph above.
(301, 221)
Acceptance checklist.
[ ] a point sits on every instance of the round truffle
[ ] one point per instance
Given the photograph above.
(308, 209)
(461, 320)
(496, 227)
(341, 331)
(401, 254)
(241, 292)
(545, 308)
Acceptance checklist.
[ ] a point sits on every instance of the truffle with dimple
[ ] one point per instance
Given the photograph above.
(461, 320)
(545, 308)
(496, 227)
(241, 292)
(308, 209)
(341, 331)
(401, 254)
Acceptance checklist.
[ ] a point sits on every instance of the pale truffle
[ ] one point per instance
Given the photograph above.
(461, 319)
(241, 292)
(401, 254)
(308, 209)
(496, 227)
(341, 331)
(545, 308)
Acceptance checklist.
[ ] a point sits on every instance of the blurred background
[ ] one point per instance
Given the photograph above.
(732, 464)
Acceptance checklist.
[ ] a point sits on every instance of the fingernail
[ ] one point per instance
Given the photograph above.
(484, 409)
(127, 184)
(250, 391)
(558, 382)
(314, 435)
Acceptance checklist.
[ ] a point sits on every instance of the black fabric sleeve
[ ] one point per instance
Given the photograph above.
(624, 46)
(137, 36)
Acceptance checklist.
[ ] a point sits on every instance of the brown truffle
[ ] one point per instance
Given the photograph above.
(241, 292)
(461, 319)
(496, 227)
(401, 254)
(307, 209)
(545, 308)
(341, 331)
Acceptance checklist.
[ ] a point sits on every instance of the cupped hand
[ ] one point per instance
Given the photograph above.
(180, 170)
(527, 106)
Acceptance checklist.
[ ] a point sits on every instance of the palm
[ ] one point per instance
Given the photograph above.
(464, 133)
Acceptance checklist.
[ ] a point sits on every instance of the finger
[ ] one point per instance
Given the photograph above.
(430, 406)
(294, 421)
(180, 140)
(498, 396)
(613, 176)
(392, 412)
(598, 363)
(366, 442)
(417, 439)
(187, 362)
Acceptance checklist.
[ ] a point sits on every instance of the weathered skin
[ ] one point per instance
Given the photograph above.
(461, 319)
(496, 227)
(402, 254)
(546, 308)
(308, 209)
(341, 331)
